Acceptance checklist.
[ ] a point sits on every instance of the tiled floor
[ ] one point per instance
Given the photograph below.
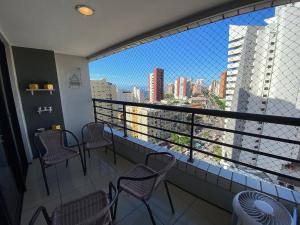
(69, 183)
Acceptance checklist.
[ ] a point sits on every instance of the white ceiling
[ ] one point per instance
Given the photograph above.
(55, 25)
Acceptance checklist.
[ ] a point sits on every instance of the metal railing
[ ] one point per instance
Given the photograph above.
(269, 119)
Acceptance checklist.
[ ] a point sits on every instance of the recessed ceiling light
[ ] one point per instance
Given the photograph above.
(85, 10)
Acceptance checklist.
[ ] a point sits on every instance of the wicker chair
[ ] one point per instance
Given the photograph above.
(141, 181)
(55, 150)
(92, 209)
(93, 138)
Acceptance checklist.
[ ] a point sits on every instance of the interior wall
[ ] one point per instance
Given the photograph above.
(17, 97)
(37, 66)
(75, 90)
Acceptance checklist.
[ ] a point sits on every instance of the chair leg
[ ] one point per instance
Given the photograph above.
(150, 212)
(169, 196)
(116, 206)
(37, 213)
(45, 177)
(67, 163)
(89, 153)
(82, 163)
(114, 152)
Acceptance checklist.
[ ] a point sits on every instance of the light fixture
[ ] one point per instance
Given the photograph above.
(85, 10)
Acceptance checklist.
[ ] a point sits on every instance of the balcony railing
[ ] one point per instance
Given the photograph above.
(116, 113)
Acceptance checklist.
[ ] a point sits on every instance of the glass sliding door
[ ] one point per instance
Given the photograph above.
(13, 165)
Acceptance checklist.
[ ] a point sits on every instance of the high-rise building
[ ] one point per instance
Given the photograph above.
(138, 95)
(215, 87)
(272, 89)
(170, 89)
(141, 132)
(241, 48)
(182, 88)
(126, 96)
(197, 87)
(156, 85)
(104, 90)
(222, 90)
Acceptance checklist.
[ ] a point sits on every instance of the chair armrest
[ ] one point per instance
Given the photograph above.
(111, 131)
(74, 137)
(37, 213)
(148, 156)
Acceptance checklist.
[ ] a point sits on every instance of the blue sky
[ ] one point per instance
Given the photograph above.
(199, 53)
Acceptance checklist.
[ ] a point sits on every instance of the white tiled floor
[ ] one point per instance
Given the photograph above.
(69, 183)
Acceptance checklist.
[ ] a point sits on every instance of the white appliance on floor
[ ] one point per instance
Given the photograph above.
(255, 208)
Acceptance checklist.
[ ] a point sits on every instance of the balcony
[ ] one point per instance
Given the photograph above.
(69, 183)
(215, 157)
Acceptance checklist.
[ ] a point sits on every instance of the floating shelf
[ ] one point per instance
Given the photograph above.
(36, 90)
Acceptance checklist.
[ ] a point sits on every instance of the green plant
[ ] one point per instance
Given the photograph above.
(217, 150)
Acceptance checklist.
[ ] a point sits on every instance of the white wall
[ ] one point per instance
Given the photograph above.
(76, 102)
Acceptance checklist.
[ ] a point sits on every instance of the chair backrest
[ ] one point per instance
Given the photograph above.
(52, 140)
(171, 160)
(92, 132)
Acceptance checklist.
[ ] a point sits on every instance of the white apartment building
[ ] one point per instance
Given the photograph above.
(126, 96)
(271, 87)
(182, 88)
(214, 87)
(197, 87)
(241, 47)
(104, 90)
(138, 95)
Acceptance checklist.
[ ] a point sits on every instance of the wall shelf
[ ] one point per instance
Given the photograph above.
(37, 90)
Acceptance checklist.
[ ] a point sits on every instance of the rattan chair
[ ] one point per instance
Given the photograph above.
(93, 138)
(53, 142)
(92, 209)
(141, 181)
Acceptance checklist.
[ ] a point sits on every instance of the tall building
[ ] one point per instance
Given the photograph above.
(222, 90)
(241, 48)
(182, 88)
(138, 95)
(170, 89)
(139, 130)
(272, 89)
(104, 90)
(126, 96)
(156, 85)
(214, 87)
(197, 87)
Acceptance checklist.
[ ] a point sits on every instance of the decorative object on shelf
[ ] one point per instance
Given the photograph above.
(75, 78)
(44, 109)
(33, 86)
(35, 90)
(48, 86)
(56, 127)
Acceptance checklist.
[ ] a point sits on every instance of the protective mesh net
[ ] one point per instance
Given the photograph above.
(248, 63)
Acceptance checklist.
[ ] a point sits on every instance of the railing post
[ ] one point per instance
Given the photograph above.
(191, 159)
(95, 112)
(124, 120)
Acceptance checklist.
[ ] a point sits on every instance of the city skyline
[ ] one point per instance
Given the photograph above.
(176, 55)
